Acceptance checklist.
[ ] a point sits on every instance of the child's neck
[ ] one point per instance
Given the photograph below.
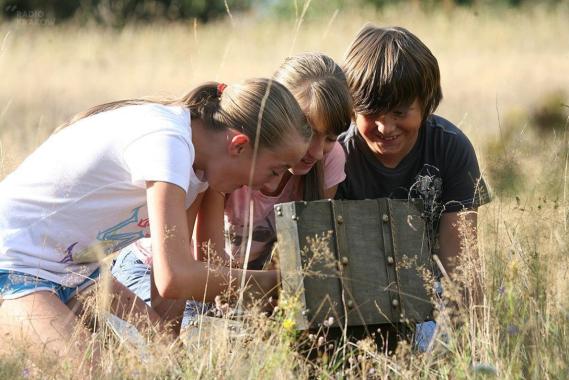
(391, 164)
(202, 137)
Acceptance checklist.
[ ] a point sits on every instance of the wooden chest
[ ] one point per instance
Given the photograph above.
(360, 262)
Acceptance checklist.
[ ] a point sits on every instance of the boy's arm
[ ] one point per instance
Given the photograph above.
(458, 237)
(210, 235)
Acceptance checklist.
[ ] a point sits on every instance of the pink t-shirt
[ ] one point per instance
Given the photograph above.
(264, 231)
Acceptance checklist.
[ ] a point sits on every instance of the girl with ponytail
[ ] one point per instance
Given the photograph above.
(127, 170)
(319, 86)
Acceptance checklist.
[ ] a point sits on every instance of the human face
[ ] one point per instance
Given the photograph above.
(232, 173)
(320, 144)
(391, 135)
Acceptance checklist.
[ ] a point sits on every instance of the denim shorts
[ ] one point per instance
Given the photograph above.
(129, 270)
(14, 284)
(132, 272)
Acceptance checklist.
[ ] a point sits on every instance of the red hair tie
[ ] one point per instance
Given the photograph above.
(220, 88)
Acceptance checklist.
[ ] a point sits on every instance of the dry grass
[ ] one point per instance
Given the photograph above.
(493, 65)
(49, 73)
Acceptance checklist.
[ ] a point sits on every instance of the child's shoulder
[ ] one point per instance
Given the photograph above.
(439, 124)
(347, 139)
(156, 110)
(142, 117)
(347, 135)
(437, 129)
(154, 117)
(336, 154)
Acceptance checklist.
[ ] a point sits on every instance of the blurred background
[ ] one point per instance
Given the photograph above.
(504, 63)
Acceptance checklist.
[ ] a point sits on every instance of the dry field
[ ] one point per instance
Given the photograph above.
(498, 68)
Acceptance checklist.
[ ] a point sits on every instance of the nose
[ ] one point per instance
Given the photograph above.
(268, 180)
(384, 124)
(316, 147)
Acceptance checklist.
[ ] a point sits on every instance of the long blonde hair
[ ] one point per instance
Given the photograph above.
(241, 107)
(320, 87)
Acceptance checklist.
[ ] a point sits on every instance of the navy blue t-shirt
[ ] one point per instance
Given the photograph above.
(441, 169)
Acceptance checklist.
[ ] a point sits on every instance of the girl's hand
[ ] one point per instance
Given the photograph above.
(263, 286)
(270, 283)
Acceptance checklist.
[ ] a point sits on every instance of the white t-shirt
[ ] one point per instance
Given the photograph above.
(82, 195)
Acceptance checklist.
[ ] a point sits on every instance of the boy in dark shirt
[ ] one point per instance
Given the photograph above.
(397, 148)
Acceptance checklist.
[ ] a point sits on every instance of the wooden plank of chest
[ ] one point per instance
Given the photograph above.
(412, 258)
(340, 258)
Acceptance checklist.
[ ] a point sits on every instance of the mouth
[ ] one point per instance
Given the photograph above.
(387, 139)
(308, 162)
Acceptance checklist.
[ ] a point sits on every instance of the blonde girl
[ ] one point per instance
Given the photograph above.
(127, 170)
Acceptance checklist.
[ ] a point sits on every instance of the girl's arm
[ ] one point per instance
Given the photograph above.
(177, 273)
(210, 237)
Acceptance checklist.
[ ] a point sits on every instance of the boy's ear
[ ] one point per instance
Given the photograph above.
(238, 142)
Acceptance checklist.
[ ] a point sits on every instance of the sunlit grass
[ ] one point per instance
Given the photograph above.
(490, 62)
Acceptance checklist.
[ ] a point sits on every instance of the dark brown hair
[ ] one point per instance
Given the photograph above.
(388, 68)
